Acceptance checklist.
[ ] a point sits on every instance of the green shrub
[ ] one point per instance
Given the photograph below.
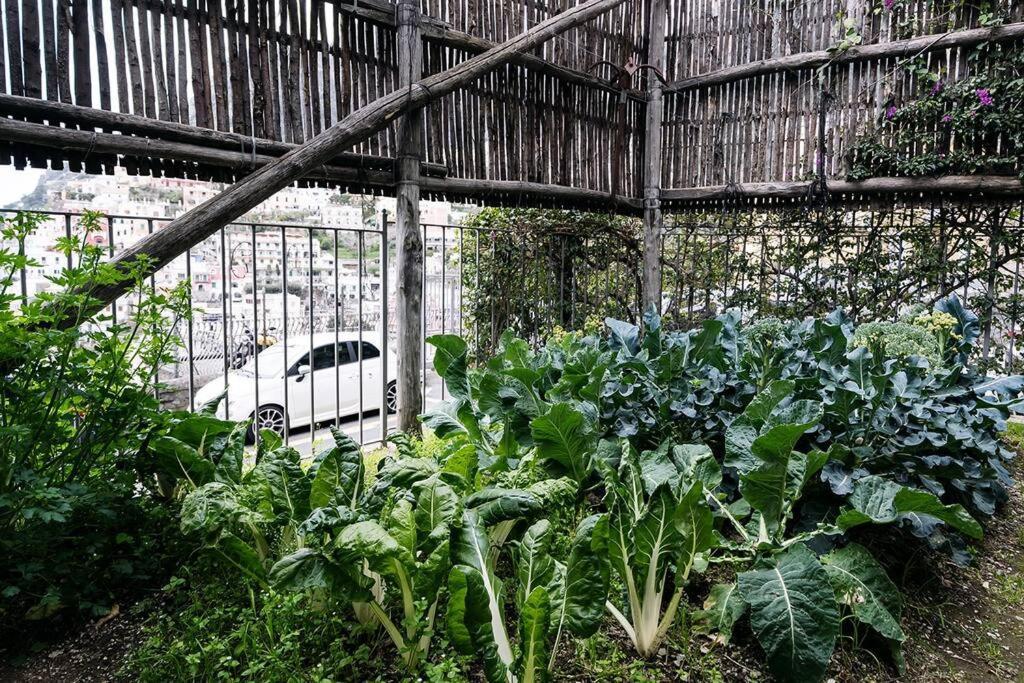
(76, 406)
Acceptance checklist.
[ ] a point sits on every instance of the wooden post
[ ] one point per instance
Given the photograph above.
(654, 222)
(409, 271)
(197, 224)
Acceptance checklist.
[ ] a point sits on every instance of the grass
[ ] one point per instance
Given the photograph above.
(1014, 435)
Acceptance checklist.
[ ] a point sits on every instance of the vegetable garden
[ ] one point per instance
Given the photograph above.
(735, 390)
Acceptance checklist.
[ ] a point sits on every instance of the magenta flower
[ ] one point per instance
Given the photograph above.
(984, 97)
(947, 118)
(937, 88)
(890, 112)
(888, 3)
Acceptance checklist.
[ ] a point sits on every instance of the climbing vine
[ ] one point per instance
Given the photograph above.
(970, 125)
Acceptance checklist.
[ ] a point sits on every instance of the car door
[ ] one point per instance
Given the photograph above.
(298, 404)
(327, 367)
(371, 374)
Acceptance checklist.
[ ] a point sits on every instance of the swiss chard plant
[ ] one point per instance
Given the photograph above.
(553, 598)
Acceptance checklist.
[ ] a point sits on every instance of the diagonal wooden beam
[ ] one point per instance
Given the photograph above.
(195, 225)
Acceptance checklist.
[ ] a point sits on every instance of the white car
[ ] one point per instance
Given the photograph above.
(330, 388)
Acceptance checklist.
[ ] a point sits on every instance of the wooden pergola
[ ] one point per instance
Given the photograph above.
(628, 106)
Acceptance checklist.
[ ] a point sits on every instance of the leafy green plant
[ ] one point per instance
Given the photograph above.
(552, 598)
(77, 406)
(661, 528)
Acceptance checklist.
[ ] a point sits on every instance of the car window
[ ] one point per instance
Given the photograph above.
(369, 350)
(323, 356)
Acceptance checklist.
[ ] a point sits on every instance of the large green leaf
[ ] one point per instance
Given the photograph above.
(580, 606)
(655, 538)
(287, 486)
(534, 564)
(436, 504)
(229, 467)
(695, 525)
(450, 357)
(534, 617)
(880, 501)
(493, 505)
(862, 584)
(722, 609)
(302, 570)
(211, 508)
(476, 599)
(181, 460)
(696, 462)
(561, 435)
(242, 557)
(793, 613)
(471, 622)
(371, 542)
(338, 473)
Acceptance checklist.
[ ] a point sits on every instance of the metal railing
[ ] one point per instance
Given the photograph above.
(257, 286)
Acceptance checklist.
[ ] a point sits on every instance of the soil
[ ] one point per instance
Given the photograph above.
(93, 655)
(963, 624)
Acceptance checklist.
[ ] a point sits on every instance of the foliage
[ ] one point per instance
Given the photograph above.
(76, 407)
(954, 127)
(533, 270)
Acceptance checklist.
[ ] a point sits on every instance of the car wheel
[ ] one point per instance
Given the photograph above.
(267, 417)
(392, 397)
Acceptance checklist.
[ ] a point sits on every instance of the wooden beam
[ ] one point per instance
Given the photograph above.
(517, 193)
(893, 49)
(981, 185)
(197, 224)
(654, 222)
(130, 124)
(409, 252)
(497, 192)
(383, 12)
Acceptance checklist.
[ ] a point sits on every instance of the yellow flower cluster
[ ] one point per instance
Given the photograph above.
(937, 322)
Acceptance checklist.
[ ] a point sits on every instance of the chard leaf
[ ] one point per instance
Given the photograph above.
(561, 435)
(179, 459)
(450, 357)
(436, 504)
(696, 462)
(534, 564)
(695, 525)
(471, 625)
(286, 485)
(338, 473)
(210, 508)
(534, 617)
(580, 606)
(371, 542)
(493, 505)
(242, 557)
(722, 609)
(302, 570)
(861, 583)
(229, 467)
(793, 613)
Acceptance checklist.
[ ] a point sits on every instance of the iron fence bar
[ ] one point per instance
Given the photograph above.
(284, 324)
(385, 336)
(110, 253)
(359, 343)
(191, 337)
(312, 351)
(224, 318)
(337, 367)
(256, 336)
